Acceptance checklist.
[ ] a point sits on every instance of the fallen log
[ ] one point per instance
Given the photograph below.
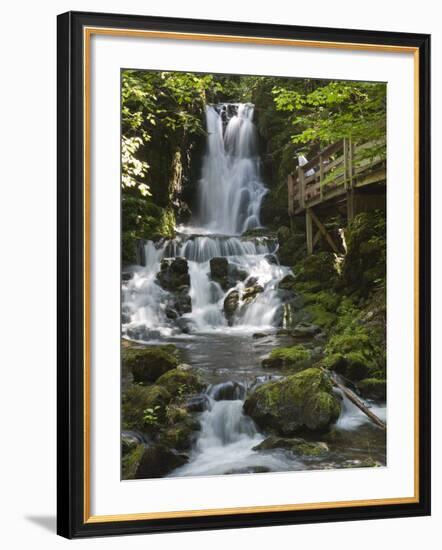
(356, 401)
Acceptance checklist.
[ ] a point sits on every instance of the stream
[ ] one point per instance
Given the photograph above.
(228, 350)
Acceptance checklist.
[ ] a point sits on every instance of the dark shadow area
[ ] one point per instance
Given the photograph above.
(46, 522)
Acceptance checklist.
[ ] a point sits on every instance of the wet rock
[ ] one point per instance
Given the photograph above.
(198, 403)
(184, 324)
(219, 271)
(148, 363)
(287, 282)
(303, 402)
(257, 335)
(236, 274)
(231, 302)
(305, 330)
(174, 274)
(249, 470)
(126, 276)
(297, 446)
(158, 461)
(227, 391)
(183, 301)
(271, 258)
(171, 313)
(250, 292)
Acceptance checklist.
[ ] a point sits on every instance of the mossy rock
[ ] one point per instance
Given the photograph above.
(158, 461)
(373, 388)
(287, 282)
(139, 398)
(149, 363)
(130, 462)
(294, 357)
(174, 274)
(298, 446)
(181, 382)
(303, 402)
(317, 267)
(181, 428)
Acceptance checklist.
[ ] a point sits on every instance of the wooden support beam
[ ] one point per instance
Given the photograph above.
(323, 230)
(350, 204)
(291, 193)
(316, 238)
(309, 231)
(301, 181)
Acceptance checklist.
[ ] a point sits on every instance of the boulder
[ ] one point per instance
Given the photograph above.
(287, 282)
(174, 273)
(373, 388)
(297, 446)
(137, 399)
(295, 358)
(147, 364)
(305, 330)
(227, 391)
(250, 292)
(179, 382)
(130, 461)
(272, 259)
(219, 271)
(231, 302)
(158, 461)
(303, 402)
(197, 403)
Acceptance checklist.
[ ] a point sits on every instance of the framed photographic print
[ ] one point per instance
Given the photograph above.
(243, 274)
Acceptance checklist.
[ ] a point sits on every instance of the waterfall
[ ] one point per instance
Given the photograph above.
(230, 193)
(230, 190)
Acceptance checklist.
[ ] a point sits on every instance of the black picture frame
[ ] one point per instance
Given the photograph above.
(72, 518)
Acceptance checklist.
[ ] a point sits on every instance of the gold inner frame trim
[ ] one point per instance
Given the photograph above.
(87, 34)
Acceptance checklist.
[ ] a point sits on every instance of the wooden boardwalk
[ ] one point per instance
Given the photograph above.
(342, 174)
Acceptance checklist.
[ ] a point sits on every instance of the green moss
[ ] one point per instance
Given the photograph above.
(147, 364)
(294, 357)
(130, 462)
(320, 316)
(317, 267)
(373, 388)
(139, 398)
(297, 446)
(181, 382)
(302, 402)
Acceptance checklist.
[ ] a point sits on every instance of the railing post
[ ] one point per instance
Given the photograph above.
(301, 180)
(345, 162)
(321, 175)
(290, 193)
(309, 231)
(350, 160)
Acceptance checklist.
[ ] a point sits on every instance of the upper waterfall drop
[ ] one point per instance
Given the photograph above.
(230, 189)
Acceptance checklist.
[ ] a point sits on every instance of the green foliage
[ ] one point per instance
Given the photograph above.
(323, 113)
(150, 415)
(293, 357)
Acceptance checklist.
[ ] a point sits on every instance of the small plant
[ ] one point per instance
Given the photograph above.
(150, 415)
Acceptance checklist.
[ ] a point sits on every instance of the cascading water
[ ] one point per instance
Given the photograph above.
(230, 190)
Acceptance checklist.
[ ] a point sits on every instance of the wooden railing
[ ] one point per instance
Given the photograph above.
(336, 169)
